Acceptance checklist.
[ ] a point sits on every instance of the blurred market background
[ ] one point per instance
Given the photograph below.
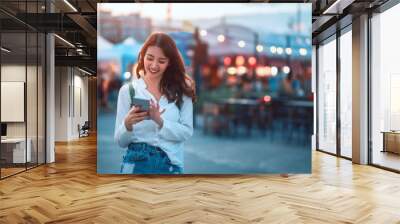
(252, 68)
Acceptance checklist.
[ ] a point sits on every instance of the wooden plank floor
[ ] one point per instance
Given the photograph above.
(70, 191)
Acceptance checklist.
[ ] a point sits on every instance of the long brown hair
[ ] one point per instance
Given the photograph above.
(174, 82)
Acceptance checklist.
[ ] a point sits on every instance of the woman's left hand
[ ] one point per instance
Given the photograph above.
(155, 113)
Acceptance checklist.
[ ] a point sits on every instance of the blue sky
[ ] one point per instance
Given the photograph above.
(261, 17)
(182, 11)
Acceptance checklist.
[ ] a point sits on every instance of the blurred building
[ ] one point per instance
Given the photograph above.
(119, 28)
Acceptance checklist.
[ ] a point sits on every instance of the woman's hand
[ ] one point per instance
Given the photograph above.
(155, 114)
(134, 116)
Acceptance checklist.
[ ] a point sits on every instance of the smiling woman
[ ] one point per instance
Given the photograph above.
(155, 137)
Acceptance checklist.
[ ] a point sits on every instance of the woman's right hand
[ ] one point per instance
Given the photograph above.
(134, 116)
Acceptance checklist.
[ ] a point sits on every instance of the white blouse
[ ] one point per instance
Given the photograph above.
(177, 124)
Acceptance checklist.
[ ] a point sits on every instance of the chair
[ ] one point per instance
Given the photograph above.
(84, 130)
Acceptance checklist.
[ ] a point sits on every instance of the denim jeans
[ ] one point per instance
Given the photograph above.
(142, 158)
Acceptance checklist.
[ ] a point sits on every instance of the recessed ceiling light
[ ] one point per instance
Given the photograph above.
(84, 71)
(5, 49)
(64, 40)
(71, 6)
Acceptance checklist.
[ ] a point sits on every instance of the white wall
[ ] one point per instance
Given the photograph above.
(12, 73)
(33, 126)
(70, 83)
(80, 88)
(61, 103)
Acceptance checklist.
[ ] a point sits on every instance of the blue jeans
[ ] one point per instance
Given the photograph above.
(142, 158)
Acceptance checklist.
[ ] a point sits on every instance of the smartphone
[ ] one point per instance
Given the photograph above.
(142, 103)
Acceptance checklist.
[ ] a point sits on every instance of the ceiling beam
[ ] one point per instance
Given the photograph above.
(86, 26)
(81, 61)
(320, 22)
(337, 7)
